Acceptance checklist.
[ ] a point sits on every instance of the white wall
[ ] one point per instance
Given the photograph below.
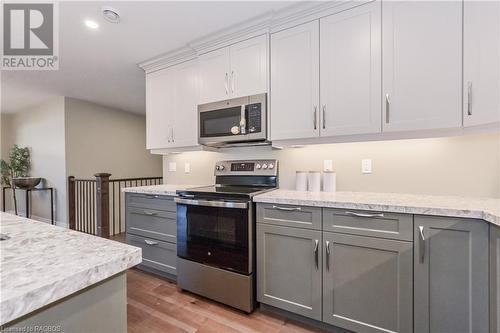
(41, 128)
(101, 139)
(464, 165)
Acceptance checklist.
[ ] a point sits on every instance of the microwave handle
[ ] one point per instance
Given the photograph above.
(243, 120)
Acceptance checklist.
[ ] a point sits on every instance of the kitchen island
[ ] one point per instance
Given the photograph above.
(55, 279)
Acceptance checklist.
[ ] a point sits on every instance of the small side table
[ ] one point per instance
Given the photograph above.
(28, 199)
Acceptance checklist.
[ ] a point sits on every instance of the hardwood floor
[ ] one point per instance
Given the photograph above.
(156, 305)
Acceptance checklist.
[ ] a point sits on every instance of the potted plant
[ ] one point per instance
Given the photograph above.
(14, 172)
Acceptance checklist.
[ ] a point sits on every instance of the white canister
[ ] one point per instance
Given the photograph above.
(301, 181)
(329, 181)
(314, 181)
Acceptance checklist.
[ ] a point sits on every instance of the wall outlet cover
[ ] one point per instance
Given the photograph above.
(327, 165)
(187, 167)
(366, 166)
(172, 166)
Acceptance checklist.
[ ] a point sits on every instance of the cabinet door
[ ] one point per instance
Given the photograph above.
(481, 62)
(185, 126)
(494, 279)
(350, 62)
(249, 67)
(422, 65)
(295, 82)
(367, 283)
(451, 275)
(289, 269)
(159, 108)
(214, 75)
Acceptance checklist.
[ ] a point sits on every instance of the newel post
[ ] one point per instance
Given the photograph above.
(102, 204)
(71, 203)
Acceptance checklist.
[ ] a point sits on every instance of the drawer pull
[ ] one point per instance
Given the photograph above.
(152, 243)
(364, 215)
(288, 209)
(152, 196)
(150, 213)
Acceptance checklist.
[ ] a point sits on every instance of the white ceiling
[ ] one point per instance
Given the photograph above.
(101, 65)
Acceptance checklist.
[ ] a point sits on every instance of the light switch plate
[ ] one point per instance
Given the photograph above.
(327, 165)
(172, 166)
(187, 167)
(366, 166)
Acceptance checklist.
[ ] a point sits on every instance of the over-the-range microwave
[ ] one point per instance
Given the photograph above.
(233, 122)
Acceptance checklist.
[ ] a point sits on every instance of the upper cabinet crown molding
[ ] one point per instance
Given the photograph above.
(269, 22)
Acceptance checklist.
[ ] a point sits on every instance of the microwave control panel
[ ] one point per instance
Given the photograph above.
(254, 115)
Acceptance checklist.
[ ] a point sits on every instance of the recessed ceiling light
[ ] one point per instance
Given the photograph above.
(91, 24)
(110, 14)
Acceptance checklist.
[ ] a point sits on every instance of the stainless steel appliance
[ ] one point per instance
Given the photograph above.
(238, 121)
(216, 232)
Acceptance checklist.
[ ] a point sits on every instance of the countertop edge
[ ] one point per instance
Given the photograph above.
(67, 287)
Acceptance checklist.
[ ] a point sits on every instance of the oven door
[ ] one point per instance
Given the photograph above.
(215, 233)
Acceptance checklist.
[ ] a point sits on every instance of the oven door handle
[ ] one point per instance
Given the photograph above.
(212, 203)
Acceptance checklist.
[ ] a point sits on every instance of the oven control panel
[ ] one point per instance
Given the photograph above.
(247, 168)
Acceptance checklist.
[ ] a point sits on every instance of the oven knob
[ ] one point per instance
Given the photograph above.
(264, 166)
(217, 167)
(221, 167)
(271, 166)
(257, 166)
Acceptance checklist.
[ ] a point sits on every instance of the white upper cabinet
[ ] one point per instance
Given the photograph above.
(159, 108)
(422, 65)
(171, 107)
(234, 71)
(481, 104)
(294, 90)
(185, 125)
(350, 62)
(214, 75)
(249, 67)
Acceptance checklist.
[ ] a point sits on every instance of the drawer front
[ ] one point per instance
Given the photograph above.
(290, 215)
(151, 201)
(369, 223)
(157, 224)
(156, 254)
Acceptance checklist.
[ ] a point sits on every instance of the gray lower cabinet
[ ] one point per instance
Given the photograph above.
(450, 275)
(289, 269)
(494, 279)
(367, 283)
(151, 225)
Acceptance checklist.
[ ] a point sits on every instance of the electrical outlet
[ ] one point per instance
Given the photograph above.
(366, 166)
(187, 167)
(172, 167)
(327, 165)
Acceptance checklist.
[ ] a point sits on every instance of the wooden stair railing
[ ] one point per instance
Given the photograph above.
(95, 205)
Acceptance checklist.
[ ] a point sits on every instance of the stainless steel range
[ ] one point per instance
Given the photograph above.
(216, 232)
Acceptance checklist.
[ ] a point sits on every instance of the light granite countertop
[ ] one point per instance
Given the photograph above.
(41, 264)
(481, 208)
(165, 189)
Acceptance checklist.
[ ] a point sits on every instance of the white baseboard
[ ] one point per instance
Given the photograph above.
(39, 218)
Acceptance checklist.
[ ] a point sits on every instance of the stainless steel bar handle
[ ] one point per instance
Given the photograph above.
(232, 81)
(150, 242)
(289, 209)
(387, 107)
(172, 130)
(315, 116)
(212, 203)
(152, 196)
(469, 98)
(316, 254)
(364, 215)
(422, 243)
(327, 255)
(150, 213)
(324, 116)
(226, 84)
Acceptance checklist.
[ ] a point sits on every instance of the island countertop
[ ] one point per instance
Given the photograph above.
(41, 264)
(487, 209)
